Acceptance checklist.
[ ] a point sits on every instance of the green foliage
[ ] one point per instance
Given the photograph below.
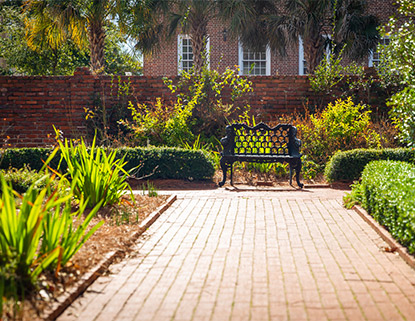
(198, 110)
(99, 177)
(175, 163)
(160, 124)
(332, 75)
(340, 126)
(33, 158)
(21, 179)
(398, 66)
(21, 231)
(38, 233)
(172, 163)
(386, 192)
(60, 231)
(150, 189)
(348, 165)
(20, 58)
(205, 89)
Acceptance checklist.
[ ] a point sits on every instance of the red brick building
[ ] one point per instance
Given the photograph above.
(225, 52)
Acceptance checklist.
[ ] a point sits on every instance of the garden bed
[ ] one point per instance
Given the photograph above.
(121, 223)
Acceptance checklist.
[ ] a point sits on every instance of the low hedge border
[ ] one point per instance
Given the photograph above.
(171, 163)
(347, 166)
(386, 192)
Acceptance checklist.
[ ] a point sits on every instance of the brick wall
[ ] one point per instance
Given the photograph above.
(30, 106)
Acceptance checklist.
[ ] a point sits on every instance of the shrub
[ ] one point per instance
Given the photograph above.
(160, 124)
(21, 179)
(198, 109)
(341, 126)
(348, 165)
(32, 157)
(398, 59)
(172, 163)
(386, 192)
(165, 162)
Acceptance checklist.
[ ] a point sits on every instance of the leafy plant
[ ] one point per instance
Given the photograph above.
(61, 232)
(386, 192)
(398, 60)
(205, 89)
(340, 126)
(150, 189)
(21, 179)
(332, 76)
(99, 177)
(160, 124)
(21, 230)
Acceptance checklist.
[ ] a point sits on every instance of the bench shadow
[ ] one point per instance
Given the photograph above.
(233, 188)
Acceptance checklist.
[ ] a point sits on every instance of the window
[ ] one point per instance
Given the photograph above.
(254, 63)
(374, 56)
(185, 53)
(302, 63)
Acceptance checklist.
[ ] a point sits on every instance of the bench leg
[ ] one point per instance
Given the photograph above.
(291, 174)
(224, 168)
(231, 166)
(297, 173)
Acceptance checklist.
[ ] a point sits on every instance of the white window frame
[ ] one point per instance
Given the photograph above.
(267, 61)
(180, 51)
(301, 59)
(371, 60)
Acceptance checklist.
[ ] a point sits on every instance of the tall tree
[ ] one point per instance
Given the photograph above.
(280, 23)
(84, 21)
(193, 16)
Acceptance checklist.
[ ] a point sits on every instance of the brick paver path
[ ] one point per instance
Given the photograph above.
(226, 255)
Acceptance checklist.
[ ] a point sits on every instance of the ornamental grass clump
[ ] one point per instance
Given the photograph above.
(38, 232)
(99, 177)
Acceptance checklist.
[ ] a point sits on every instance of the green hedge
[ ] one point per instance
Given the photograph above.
(387, 192)
(348, 165)
(175, 163)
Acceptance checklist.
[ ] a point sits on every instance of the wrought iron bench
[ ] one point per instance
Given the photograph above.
(261, 144)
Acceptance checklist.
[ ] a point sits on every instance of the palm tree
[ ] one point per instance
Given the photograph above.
(319, 23)
(192, 17)
(84, 21)
(167, 17)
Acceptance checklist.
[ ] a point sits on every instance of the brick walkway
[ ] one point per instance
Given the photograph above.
(226, 255)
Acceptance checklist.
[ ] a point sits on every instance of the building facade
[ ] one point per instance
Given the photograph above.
(176, 55)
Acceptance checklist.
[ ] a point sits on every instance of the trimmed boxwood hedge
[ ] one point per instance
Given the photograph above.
(386, 191)
(348, 166)
(174, 163)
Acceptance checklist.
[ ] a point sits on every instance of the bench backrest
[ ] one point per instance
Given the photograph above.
(261, 140)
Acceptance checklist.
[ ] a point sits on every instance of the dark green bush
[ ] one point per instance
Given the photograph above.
(175, 163)
(32, 157)
(386, 192)
(348, 165)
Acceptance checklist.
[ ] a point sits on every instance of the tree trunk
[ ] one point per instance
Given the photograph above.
(96, 45)
(313, 51)
(199, 41)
